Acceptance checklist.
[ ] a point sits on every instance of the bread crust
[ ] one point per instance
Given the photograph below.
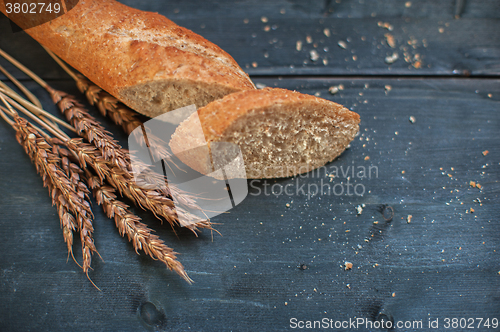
(120, 48)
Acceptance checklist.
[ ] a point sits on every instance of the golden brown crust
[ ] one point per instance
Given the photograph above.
(118, 47)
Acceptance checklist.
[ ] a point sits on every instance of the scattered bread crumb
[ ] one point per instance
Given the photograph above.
(367, 158)
(472, 184)
(471, 210)
(309, 39)
(287, 204)
(478, 186)
(359, 209)
(342, 44)
(264, 19)
(408, 4)
(326, 31)
(267, 28)
(254, 64)
(347, 266)
(490, 95)
(390, 40)
(314, 55)
(325, 61)
(441, 30)
(298, 45)
(408, 219)
(412, 119)
(385, 25)
(333, 90)
(392, 58)
(341, 86)
(485, 152)
(393, 294)
(246, 21)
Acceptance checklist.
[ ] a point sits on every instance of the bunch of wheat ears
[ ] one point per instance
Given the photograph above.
(73, 168)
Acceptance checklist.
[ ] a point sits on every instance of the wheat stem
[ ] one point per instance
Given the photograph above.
(21, 87)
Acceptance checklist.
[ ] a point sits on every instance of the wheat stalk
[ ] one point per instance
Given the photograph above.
(67, 220)
(87, 126)
(65, 194)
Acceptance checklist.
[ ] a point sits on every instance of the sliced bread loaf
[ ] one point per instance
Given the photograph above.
(280, 133)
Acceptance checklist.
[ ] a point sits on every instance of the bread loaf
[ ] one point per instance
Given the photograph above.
(280, 133)
(142, 58)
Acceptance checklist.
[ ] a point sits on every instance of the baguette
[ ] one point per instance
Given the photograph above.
(142, 58)
(280, 133)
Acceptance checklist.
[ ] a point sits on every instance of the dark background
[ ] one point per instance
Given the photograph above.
(273, 262)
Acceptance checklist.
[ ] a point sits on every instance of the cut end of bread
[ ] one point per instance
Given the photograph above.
(283, 140)
(280, 133)
(154, 98)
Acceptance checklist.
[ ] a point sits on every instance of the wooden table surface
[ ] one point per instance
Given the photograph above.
(281, 257)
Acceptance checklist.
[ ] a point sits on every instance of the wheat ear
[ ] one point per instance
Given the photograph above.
(64, 192)
(67, 220)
